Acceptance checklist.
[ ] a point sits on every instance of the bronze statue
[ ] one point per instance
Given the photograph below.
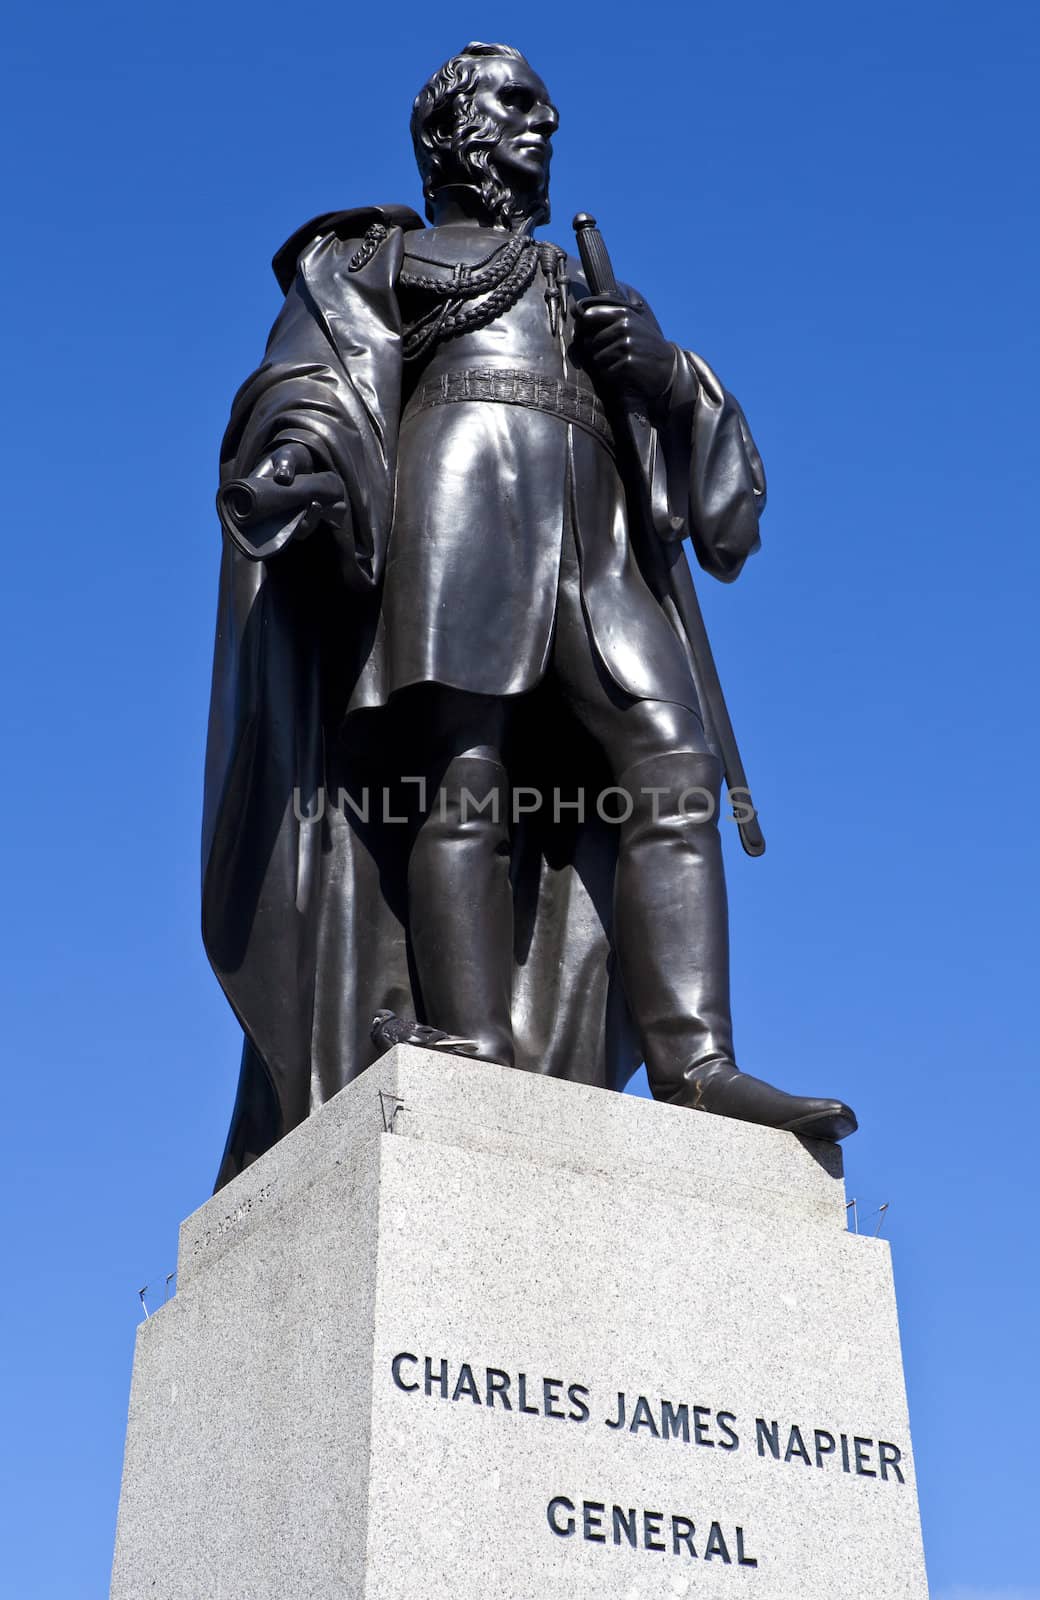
(462, 780)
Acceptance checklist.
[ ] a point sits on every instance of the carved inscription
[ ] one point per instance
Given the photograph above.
(231, 1219)
(679, 1421)
(673, 1421)
(598, 1523)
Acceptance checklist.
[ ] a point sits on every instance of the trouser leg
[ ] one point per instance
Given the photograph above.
(460, 900)
(671, 932)
(670, 918)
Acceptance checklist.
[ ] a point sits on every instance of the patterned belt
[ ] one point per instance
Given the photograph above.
(513, 387)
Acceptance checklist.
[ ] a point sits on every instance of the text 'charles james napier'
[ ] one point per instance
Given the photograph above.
(710, 1427)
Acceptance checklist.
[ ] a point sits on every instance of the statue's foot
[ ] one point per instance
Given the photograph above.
(388, 1029)
(721, 1088)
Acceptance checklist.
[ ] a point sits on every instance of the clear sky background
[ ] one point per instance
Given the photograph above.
(834, 204)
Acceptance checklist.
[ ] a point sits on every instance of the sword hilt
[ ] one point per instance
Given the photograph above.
(599, 274)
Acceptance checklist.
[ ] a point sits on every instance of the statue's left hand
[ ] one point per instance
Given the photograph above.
(624, 348)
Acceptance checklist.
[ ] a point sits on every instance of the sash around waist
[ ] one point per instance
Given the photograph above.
(512, 386)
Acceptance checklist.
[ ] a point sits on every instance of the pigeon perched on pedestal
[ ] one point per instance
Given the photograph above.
(389, 1029)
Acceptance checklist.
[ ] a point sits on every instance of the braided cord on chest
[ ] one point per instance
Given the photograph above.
(460, 313)
(460, 281)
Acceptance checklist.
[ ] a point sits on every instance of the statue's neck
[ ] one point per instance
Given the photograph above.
(461, 206)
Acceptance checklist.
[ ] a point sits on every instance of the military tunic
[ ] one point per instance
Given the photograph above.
(487, 493)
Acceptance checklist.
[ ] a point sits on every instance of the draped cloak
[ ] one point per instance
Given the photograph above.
(304, 850)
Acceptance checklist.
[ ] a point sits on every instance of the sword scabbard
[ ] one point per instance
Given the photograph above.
(678, 582)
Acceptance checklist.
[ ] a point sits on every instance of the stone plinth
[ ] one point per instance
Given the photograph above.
(469, 1331)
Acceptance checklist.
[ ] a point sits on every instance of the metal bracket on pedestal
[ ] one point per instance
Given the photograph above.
(397, 1105)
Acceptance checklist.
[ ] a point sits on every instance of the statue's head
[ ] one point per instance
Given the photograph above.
(484, 122)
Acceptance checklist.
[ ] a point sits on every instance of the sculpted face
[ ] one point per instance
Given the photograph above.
(511, 94)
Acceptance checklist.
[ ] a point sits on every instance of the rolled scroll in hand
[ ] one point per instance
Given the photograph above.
(262, 516)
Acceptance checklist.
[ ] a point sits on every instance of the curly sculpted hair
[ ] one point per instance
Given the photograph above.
(453, 141)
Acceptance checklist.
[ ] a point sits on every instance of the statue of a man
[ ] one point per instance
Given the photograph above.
(457, 767)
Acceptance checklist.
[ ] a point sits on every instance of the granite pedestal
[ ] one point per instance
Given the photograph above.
(471, 1332)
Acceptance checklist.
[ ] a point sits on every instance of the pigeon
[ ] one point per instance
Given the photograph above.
(389, 1029)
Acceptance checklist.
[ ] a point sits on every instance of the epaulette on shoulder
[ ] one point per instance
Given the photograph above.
(346, 225)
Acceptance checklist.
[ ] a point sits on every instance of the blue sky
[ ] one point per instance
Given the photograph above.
(834, 205)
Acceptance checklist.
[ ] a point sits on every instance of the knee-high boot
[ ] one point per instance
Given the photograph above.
(670, 917)
(672, 940)
(461, 907)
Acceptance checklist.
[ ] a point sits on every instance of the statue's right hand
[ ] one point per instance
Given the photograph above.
(286, 460)
(283, 488)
